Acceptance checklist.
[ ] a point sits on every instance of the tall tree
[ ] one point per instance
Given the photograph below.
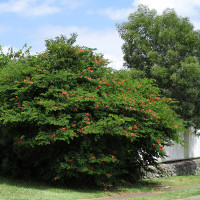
(165, 47)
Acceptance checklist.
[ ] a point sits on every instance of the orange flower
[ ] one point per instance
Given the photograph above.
(78, 51)
(108, 175)
(80, 130)
(53, 135)
(135, 127)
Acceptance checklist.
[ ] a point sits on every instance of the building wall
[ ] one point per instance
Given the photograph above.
(178, 152)
(194, 146)
(181, 160)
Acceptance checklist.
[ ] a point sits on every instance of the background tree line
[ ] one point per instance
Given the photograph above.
(166, 48)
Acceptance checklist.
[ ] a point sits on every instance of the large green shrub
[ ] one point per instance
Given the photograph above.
(67, 118)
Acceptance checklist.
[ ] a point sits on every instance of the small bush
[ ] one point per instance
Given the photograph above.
(65, 117)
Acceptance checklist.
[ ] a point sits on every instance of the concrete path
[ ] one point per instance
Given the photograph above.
(143, 194)
(192, 198)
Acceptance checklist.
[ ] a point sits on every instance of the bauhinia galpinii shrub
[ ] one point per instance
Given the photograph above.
(67, 118)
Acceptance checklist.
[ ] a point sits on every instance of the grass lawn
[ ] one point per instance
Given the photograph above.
(21, 190)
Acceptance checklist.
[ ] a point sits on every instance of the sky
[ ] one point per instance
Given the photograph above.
(34, 21)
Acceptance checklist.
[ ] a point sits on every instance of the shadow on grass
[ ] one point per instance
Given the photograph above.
(139, 186)
(33, 184)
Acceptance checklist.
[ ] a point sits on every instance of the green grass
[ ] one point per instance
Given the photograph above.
(21, 190)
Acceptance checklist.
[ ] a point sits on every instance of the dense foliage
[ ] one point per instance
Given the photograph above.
(66, 117)
(165, 47)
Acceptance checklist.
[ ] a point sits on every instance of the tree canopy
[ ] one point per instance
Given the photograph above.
(165, 47)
